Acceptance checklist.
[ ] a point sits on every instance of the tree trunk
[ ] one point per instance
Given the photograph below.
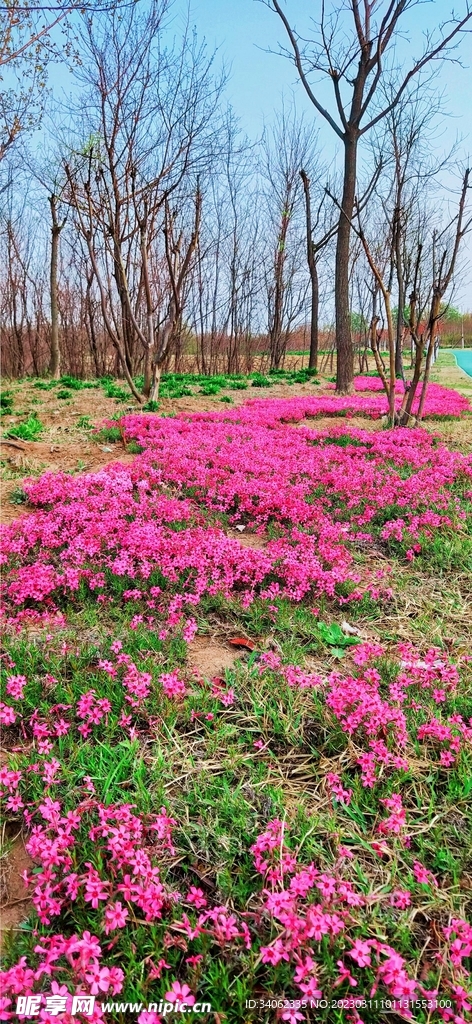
(409, 397)
(148, 373)
(392, 354)
(277, 348)
(315, 291)
(90, 326)
(401, 301)
(404, 413)
(399, 371)
(155, 383)
(314, 331)
(344, 347)
(433, 326)
(56, 228)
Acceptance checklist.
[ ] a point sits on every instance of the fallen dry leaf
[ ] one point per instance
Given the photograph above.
(240, 641)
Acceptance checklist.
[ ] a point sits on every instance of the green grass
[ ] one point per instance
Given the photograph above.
(176, 385)
(84, 423)
(222, 794)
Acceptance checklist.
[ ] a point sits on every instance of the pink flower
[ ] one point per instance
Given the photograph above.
(291, 1015)
(196, 896)
(15, 686)
(180, 994)
(95, 888)
(381, 849)
(7, 714)
(344, 975)
(310, 989)
(422, 875)
(274, 954)
(360, 952)
(327, 886)
(100, 979)
(115, 916)
(400, 898)
(172, 685)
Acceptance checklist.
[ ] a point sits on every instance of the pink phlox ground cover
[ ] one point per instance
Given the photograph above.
(440, 401)
(248, 465)
(159, 525)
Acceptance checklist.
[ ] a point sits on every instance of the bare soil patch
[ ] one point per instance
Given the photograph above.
(211, 657)
(257, 541)
(15, 903)
(32, 458)
(348, 422)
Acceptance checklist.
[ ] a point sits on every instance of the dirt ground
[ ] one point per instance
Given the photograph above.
(15, 902)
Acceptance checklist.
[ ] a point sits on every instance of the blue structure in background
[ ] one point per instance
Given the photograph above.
(463, 359)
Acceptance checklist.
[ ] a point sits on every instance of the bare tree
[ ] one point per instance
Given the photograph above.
(24, 330)
(445, 249)
(412, 172)
(179, 255)
(287, 152)
(226, 286)
(315, 247)
(152, 123)
(356, 52)
(28, 44)
(56, 228)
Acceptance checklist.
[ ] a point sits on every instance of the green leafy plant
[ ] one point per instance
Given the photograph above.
(111, 435)
(6, 402)
(77, 385)
(334, 636)
(18, 496)
(30, 430)
(112, 390)
(212, 388)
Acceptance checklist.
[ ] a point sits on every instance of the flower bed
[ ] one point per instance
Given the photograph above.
(167, 866)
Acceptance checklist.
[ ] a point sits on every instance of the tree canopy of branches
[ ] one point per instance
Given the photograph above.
(32, 35)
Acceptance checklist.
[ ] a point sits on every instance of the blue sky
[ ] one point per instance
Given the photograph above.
(245, 30)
